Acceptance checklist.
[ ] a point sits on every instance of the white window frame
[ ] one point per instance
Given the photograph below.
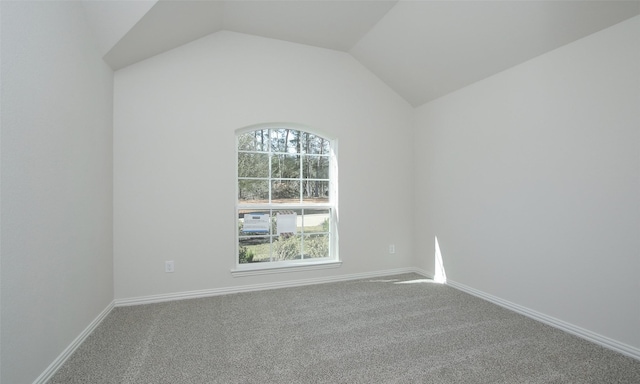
(333, 260)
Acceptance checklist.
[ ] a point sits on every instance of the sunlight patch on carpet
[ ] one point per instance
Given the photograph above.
(416, 281)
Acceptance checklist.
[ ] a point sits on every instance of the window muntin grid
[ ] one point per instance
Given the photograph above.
(285, 171)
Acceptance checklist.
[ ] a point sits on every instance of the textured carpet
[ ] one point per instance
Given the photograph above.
(400, 329)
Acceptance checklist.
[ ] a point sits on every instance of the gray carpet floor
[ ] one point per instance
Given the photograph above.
(387, 330)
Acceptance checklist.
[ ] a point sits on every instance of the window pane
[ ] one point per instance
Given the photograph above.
(315, 191)
(287, 247)
(253, 191)
(316, 167)
(253, 164)
(287, 221)
(285, 191)
(285, 140)
(316, 246)
(254, 141)
(316, 220)
(314, 144)
(253, 249)
(253, 222)
(285, 166)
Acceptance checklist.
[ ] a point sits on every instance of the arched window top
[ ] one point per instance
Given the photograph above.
(290, 126)
(284, 139)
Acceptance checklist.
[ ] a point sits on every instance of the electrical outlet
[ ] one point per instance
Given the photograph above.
(168, 266)
(392, 248)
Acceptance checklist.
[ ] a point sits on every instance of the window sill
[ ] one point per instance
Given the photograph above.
(257, 269)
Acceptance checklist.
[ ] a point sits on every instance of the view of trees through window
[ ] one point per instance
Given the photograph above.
(284, 204)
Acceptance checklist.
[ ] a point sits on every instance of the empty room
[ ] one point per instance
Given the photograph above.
(319, 191)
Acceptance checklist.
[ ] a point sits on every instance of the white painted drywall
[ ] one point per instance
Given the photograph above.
(112, 19)
(175, 117)
(57, 266)
(530, 179)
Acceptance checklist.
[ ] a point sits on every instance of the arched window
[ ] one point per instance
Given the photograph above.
(286, 197)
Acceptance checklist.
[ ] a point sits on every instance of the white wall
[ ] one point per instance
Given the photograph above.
(57, 266)
(530, 180)
(112, 20)
(175, 117)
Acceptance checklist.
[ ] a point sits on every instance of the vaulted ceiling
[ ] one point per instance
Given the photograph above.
(421, 49)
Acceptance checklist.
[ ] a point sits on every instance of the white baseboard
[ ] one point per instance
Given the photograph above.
(556, 323)
(259, 287)
(57, 363)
